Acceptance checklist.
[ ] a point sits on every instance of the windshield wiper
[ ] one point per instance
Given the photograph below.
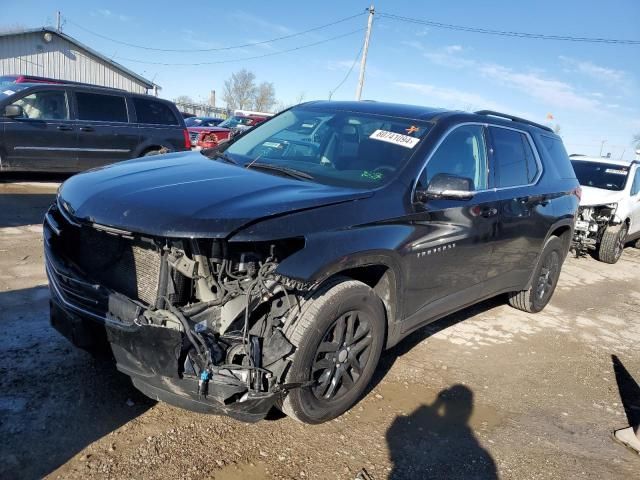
(291, 172)
(221, 156)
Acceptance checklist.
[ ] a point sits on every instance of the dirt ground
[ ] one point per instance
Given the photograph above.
(489, 392)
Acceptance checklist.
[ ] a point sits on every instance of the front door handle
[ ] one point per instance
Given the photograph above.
(86, 129)
(65, 128)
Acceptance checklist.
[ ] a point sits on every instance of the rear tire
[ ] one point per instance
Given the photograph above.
(545, 278)
(612, 243)
(338, 338)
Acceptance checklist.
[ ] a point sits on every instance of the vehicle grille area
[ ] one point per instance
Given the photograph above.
(121, 264)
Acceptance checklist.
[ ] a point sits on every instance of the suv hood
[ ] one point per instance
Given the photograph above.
(592, 196)
(189, 195)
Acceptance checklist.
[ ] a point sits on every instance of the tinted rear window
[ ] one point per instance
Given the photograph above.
(555, 150)
(515, 161)
(154, 112)
(98, 107)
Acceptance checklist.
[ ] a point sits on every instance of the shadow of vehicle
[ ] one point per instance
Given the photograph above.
(629, 393)
(390, 356)
(25, 204)
(436, 441)
(54, 399)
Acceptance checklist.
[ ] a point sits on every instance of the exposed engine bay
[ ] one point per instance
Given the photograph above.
(591, 222)
(200, 318)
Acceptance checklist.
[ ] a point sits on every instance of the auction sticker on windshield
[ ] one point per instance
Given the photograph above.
(616, 171)
(395, 138)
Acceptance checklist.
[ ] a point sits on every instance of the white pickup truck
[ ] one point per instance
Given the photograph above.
(609, 213)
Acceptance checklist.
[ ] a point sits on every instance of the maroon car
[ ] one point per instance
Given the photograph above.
(209, 137)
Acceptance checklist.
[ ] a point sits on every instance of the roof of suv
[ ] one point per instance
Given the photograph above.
(416, 112)
(587, 158)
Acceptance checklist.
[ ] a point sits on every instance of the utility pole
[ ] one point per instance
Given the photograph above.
(365, 50)
(58, 21)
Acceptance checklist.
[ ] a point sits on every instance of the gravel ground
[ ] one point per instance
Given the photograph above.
(489, 392)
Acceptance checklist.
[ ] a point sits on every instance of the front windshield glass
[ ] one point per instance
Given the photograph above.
(334, 147)
(601, 175)
(233, 122)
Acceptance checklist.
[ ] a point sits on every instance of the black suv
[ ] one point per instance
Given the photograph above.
(275, 270)
(73, 127)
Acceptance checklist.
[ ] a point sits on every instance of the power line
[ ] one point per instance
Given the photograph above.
(538, 36)
(355, 60)
(234, 60)
(218, 49)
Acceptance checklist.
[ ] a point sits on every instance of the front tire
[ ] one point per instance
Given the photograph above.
(338, 338)
(545, 278)
(612, 243)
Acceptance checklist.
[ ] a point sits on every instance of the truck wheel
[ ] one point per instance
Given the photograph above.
(612, 243)
(545, 279)
(338, 338)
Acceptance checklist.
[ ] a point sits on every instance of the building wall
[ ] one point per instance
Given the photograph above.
(30, 54)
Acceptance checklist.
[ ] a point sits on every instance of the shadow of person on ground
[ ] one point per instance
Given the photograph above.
(54, 398)
(629, 393)
(436, 441)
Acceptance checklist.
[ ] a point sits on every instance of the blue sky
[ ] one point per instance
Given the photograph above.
(592, 90)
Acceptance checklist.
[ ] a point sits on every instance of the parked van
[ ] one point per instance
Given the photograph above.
(70, 127)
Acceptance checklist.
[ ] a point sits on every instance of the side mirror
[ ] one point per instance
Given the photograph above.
(13, 111)
(446, 187)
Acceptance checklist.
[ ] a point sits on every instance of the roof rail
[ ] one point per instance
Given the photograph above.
(513, 119)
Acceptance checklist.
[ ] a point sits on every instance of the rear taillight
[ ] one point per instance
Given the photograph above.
(187, 140)
(577, 192)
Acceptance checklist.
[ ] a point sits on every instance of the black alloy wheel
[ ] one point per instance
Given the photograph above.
(548, 276)
(338, 337)
(341, 356)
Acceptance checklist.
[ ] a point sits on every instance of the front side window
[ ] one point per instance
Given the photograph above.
(45, 105)
(514, 158)
(153, 112)
(463, 154)
(333, 147)
(607, 176)
(101, 108)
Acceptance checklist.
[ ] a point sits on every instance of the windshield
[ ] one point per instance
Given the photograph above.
(201, 122)
(601, 175)
(333, 147)
(233, 122)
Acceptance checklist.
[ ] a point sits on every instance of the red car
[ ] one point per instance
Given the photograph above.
(209, 137)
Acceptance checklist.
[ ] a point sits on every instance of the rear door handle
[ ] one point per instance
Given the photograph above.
(86, 129)
(535, 200)
(65, 128)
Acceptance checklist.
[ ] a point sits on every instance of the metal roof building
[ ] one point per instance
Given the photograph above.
(47, 52)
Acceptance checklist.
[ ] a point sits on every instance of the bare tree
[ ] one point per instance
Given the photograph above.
(636, 140)
(240, 90)
(265, 97)
(183, 99)
(300, 98)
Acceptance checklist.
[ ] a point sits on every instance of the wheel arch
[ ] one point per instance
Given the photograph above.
(377, 269)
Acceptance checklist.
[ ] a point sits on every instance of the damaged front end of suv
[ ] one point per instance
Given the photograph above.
(194, 322)
(591, 224)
